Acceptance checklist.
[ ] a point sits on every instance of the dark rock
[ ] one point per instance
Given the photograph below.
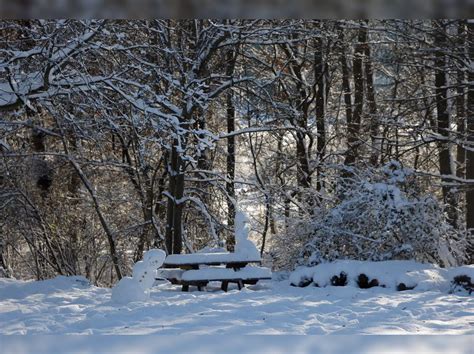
(462, 282)
(303, 283)
(363, 282)
(403, 287)
(340, 280)
(373, 282)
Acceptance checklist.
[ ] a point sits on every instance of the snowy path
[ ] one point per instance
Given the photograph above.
(65, 305)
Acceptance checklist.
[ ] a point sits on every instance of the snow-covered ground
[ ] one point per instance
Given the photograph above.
(67, 305)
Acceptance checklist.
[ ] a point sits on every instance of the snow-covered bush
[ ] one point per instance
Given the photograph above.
(381, 216)
(382, 219)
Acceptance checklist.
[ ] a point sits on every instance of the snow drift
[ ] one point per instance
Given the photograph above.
(389, 274)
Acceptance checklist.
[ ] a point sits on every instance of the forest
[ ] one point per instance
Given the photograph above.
(341, 139)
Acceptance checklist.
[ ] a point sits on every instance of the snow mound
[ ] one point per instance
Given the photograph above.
(128, 290)
(19, 289)
(243, 246)
(389, 274)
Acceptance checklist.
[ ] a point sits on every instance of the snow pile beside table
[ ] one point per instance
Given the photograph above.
(399, 275)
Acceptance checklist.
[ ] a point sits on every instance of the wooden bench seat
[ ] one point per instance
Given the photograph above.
(226, 273)
(198, 269)
(173, 275)
(200, 284)
(201, 277)
(242, 276)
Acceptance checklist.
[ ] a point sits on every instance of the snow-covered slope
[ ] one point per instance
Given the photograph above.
(71, 305)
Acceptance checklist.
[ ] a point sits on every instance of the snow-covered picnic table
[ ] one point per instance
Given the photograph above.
(215, 258)
(198, 269)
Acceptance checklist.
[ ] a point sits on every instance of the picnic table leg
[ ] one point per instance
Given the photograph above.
(240, 284)
(185, 288)
(224, 285)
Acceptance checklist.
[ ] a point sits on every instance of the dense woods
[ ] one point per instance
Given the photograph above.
(340, 139)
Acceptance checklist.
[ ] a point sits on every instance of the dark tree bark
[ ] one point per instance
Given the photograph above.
(73, 187)
(461, 102)
(470, 151)
(353, 126)
(346, 86)
(443, 118)
(320, 76)
(302, 153)
(301, 101)
(4, 270)
(230, 165)
(372, 104)
(175, 205)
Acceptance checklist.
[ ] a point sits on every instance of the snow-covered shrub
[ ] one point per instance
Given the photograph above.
(378, 216)
(384, 218)
(286, 246)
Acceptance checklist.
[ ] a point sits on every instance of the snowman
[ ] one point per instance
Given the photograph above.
(136, 288)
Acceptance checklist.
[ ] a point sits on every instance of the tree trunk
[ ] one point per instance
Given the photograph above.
(353, 133)
(266, 224)
(301, 108)
(302, 153)
(147, 211)
(443, 117)
(175, 207)
(4, 270)
(346, 86)
(74, 184)
(320, 77)
(372, 105)
(470, 151)
(230, 173)
(461, 103)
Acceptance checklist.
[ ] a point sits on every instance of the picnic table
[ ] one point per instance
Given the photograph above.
(198, 269)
